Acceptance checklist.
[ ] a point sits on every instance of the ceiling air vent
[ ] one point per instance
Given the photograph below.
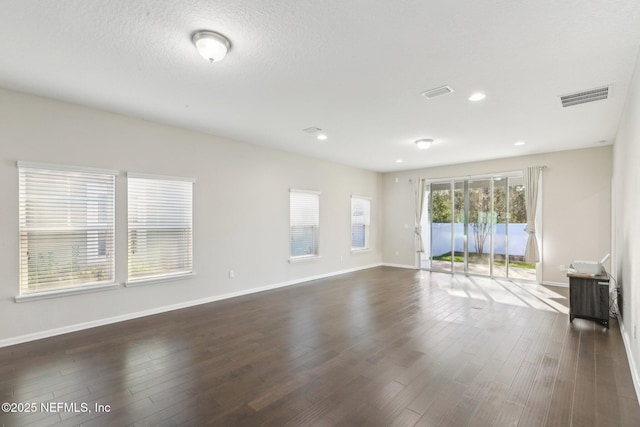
(312, 129)
(585, 96)
(439, 91)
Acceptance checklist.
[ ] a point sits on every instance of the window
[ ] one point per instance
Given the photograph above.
(66, 227)
(304, 207)
(160, 227)
(475, 224)
(360, 218)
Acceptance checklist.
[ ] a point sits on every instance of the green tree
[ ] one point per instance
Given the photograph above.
(517, 205)
(517, 212)
(441, 206)
(479, 215)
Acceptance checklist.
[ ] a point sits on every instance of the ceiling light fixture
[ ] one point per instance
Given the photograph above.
(478, 96)
(322, 137)
(424, 144)
(212, 46)
(519, 143)
(399, 160)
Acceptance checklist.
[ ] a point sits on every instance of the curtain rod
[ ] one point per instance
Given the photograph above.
(480, 176)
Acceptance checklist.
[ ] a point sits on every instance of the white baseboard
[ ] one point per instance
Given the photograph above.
(107, 321)
(632, 364)
(558, 284)
(412, 267)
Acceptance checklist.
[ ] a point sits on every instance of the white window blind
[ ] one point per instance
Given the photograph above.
(66, 227)
(360, 219)
(304, 222)
(160, 227)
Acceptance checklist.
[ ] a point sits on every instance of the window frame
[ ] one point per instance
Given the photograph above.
(367, 225)
(159, 276)
(316, 228)
(97, 223)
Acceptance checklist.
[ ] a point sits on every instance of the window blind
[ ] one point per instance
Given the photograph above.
(304, 222)
(66, 227)
(360, 219)
(160, 227)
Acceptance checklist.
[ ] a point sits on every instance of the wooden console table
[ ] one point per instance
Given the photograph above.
(589, 297)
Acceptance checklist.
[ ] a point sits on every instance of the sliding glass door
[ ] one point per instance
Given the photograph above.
(459, 227)
(500, 232)
(480, 227)
(476, 226)
(517, 221)
(441, 225)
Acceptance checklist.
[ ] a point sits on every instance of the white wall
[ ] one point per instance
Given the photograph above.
(241, 209)
(626, 199)
(576, 209)
(233, 178)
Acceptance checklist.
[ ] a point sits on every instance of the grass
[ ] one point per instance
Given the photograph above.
(518, 264)
(456, 258)
(484, 260)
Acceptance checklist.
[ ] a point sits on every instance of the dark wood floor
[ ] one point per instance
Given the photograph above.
(381, 347)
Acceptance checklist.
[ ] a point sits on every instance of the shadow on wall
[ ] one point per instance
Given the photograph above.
(621, 273)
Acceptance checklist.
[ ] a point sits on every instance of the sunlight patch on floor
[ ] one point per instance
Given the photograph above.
(472, 291)
(529, 299)
(496, 292)
(503, 291)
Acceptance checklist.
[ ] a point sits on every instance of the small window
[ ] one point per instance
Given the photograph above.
(66, 227)
(160, 227)
(360, 219)
(304, 208)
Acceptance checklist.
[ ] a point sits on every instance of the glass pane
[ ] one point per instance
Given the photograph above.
(518, 269)
(480, 222)
(360, 218)
(357, 236)
(160, 219)
(66, 228)
(500, 227)
(459, 236)
(303, 241)
(441, 227)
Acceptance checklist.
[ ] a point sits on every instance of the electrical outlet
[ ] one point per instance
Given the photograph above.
(232, 274)
(341, 258)
(563, 267)
(397, 253)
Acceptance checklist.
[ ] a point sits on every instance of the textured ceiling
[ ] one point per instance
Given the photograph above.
(353, 68)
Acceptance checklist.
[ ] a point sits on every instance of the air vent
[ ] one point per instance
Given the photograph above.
(312, 129)
(439, 91)
(585, 96)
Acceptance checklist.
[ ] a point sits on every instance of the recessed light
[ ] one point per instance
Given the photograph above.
(399, 160)
(519, 143)
(424, 144)
(321, 137)
(601, 142)
(478, 96)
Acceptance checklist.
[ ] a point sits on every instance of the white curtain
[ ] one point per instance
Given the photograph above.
(531, 180)
(418, 197)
